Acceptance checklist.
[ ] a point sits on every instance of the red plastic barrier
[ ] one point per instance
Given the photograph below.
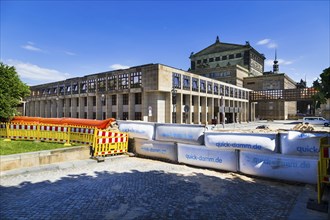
(100, 124)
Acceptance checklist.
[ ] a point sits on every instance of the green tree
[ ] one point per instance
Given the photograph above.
(12, 91)
(322, 85)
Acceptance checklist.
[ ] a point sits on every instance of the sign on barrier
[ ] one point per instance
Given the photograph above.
(279, 166)
(143, 130)
(83, 135)
(183, 133)
(54, 133)
(258, 142)
(299, 143)
(156, 149)
(3, 130)
(108, 143)
(201, 156)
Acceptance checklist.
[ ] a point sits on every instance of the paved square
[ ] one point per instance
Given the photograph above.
(135, 188)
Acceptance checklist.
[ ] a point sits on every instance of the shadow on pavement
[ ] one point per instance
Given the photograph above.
(148, 195)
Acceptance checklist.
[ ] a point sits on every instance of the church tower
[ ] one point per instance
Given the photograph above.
(276, 65)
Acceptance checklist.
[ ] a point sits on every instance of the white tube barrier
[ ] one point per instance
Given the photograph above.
(137, 129)
(279, 166)
(201, 156)
(183, 133)
(257, 142)
(156, 149)
(298, 143)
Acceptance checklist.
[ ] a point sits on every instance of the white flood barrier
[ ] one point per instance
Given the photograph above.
(279, 166)
(299, 143)
(137, 129)
(258, 142)
(156, 149)
(199, 155)
(183, 133)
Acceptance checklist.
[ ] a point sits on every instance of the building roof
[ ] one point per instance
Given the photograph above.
(219, 47)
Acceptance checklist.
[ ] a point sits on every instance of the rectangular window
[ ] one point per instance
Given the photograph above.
(112, 83)
(101, 84)
(75, 88)
(209, 88)
(70, 102)
(138, 98)
(62, 90)
(123, 81)
(224, 57)
(203, 86)
(85, 101)
(94, 115)
(195, 84)
(114, 114)
(176, 78)
(217, 59)
(238, 55)
(85, 114)
(136, 80)
(77, 102)
(83, 86)
(231, 56)
(138, 116)
(125, 115)
(91, 85)
(186, 82)
(216, 89)
(114, 99)
(199, 61)
(68, 89)
(125, 99)
(221, 90)
(226, 91)
(94, 100)
(211, 59)
(204, 60)
(55, 90)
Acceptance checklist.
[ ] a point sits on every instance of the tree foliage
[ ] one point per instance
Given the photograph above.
(322, 85)
(12, 91)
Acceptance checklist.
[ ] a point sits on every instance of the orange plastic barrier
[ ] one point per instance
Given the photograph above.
(100, 124)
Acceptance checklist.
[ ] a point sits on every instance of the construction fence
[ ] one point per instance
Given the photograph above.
(323, 169)
(102, 142)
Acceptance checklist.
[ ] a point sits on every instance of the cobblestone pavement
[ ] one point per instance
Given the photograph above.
(135, 188)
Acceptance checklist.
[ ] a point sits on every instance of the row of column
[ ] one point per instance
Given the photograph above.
(154, 106)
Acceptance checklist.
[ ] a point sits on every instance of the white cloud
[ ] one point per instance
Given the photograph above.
(30, 46)
(272, 45)
(69, 53)
(37, 74)
(263, 42)
(118, 66)
(269, 43)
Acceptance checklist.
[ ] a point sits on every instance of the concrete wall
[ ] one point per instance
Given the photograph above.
(33, 159)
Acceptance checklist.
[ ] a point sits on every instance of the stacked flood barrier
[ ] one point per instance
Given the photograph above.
(285, 155)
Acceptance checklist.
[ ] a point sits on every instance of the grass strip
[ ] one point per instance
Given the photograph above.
(17, 147)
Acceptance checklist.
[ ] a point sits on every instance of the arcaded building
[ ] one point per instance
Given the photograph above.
(152, 92)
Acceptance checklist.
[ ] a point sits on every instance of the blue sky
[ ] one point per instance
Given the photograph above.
(53, 40)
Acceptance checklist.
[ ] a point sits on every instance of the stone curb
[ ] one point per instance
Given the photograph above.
(57, 166)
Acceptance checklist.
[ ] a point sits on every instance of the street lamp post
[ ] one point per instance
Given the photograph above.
(102, 104)
(174, 92)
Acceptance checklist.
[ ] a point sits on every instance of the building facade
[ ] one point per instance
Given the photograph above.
(272, 109)
(152, 92)
(227, 62)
